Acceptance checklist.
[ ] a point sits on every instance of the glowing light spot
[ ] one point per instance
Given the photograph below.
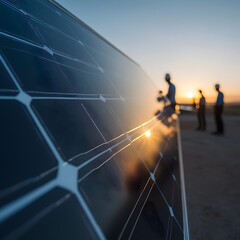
(148, 134)
(177, 107)
(190, 95)
(174, 116)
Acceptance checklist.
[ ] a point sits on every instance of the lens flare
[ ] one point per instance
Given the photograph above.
(147, 133)
(177, 108)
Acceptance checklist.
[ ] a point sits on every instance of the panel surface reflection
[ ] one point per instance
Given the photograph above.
(83, 154)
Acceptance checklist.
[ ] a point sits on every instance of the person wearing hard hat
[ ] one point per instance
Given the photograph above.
(218, 110)
(171, 91)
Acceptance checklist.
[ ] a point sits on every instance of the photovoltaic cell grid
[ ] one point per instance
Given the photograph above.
(75, 160)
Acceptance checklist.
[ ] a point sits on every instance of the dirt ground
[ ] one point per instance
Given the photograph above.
(212, 178)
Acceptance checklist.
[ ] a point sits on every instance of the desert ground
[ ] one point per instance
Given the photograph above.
(212, 178)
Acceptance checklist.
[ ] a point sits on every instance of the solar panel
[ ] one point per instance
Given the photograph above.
(83, 155)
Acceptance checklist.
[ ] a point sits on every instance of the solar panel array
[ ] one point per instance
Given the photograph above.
(76, 162)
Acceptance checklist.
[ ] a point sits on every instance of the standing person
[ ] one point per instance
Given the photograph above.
(171, 91)
(218, 110)
(201, 113)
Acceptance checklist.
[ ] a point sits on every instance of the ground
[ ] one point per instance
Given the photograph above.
(212, 171)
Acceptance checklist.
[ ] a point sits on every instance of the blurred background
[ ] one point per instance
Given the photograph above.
(196, 41)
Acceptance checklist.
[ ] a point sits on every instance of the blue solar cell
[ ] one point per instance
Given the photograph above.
(15, 23)
(54, 39)
(6, 84)
(69, 125)
(56, 215)
(115, 186)
(26, 161)
(86, 80)
(36, 73)
(154, 221)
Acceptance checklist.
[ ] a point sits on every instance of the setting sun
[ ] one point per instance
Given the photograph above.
(190, 95)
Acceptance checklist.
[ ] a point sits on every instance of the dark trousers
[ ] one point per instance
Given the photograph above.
(201, 118)
(218, 110)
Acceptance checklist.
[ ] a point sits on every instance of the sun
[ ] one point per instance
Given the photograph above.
(190, 95)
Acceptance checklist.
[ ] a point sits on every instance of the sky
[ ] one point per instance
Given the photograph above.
(197, 42)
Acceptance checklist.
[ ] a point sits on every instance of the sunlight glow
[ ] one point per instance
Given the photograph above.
(177, 108)
(190, 95)
(147, 133)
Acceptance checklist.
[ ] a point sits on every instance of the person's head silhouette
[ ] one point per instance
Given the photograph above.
(200, 91)
(168, 78)
(217, 87)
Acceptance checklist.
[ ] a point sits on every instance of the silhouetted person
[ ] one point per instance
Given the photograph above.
(201, 113)
(171, 91)
(218, 110)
